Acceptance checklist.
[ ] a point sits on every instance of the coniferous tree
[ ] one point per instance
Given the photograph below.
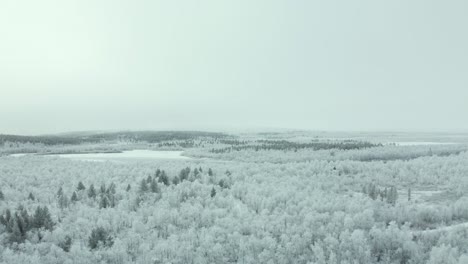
(128, 188)
(60, 192)
(164, 179)
(80, 187)
(409, 194)
(154, 186)
(74, 197)
(99, 237)
(210, 172)
(26, 219)
(213, 192)
(63, 201)
(42, 218)
(143, 186)
(102, 189)
(2, 196)
(92, 191)
(66, 244)
(15, 234)
(112, 189)
(149, 179)
(175, 180)
(31, 197)
(104, 202)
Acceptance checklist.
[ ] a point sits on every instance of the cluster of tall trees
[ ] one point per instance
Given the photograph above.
(285, 145)
(236, 212)
(389, 195)
(17, 224)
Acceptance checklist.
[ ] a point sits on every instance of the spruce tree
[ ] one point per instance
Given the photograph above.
(175, 180)
(154, 186)
(74, 197)
(210, 172)
(213, 192)
(143, 186)
(91, 191)
(80, 187)
(164, 179)
(103, 188)
(99, 237)
(2, 196)
(128, 188)
(66, 244)
(60, 192)
(31, 197)
(104, 203)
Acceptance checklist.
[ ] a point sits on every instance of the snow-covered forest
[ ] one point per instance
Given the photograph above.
(236, 198)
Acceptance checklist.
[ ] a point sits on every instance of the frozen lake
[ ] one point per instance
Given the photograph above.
(421, 143)
(125, 155)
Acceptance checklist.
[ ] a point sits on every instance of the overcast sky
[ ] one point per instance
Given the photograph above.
(323, 65)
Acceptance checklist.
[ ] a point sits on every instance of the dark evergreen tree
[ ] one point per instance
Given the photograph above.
(60, 192)
(104, 202)
(112, 189)
(63, 201)
(154, 186)
(164, 179)
(409, 194)
(143, 186)
(4, 219)
(92, 191)
(210, 172)
(128, 188)
(158, 173)
(42, 218)
(15, 234)
(213, 192)
(175, 180)
(31, 197)
(149, 179)
(2, 196)
(74, 197)
(102, 189)
(27, 221)
(80, 187)
(99, 237)
(66, 244)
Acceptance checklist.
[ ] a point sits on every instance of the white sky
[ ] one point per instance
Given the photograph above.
(209, 65)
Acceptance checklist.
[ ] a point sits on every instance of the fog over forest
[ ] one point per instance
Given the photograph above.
(200, 132)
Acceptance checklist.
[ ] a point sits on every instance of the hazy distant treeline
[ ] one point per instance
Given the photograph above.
(146, 136)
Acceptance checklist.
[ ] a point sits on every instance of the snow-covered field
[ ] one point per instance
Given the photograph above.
(244, 199)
